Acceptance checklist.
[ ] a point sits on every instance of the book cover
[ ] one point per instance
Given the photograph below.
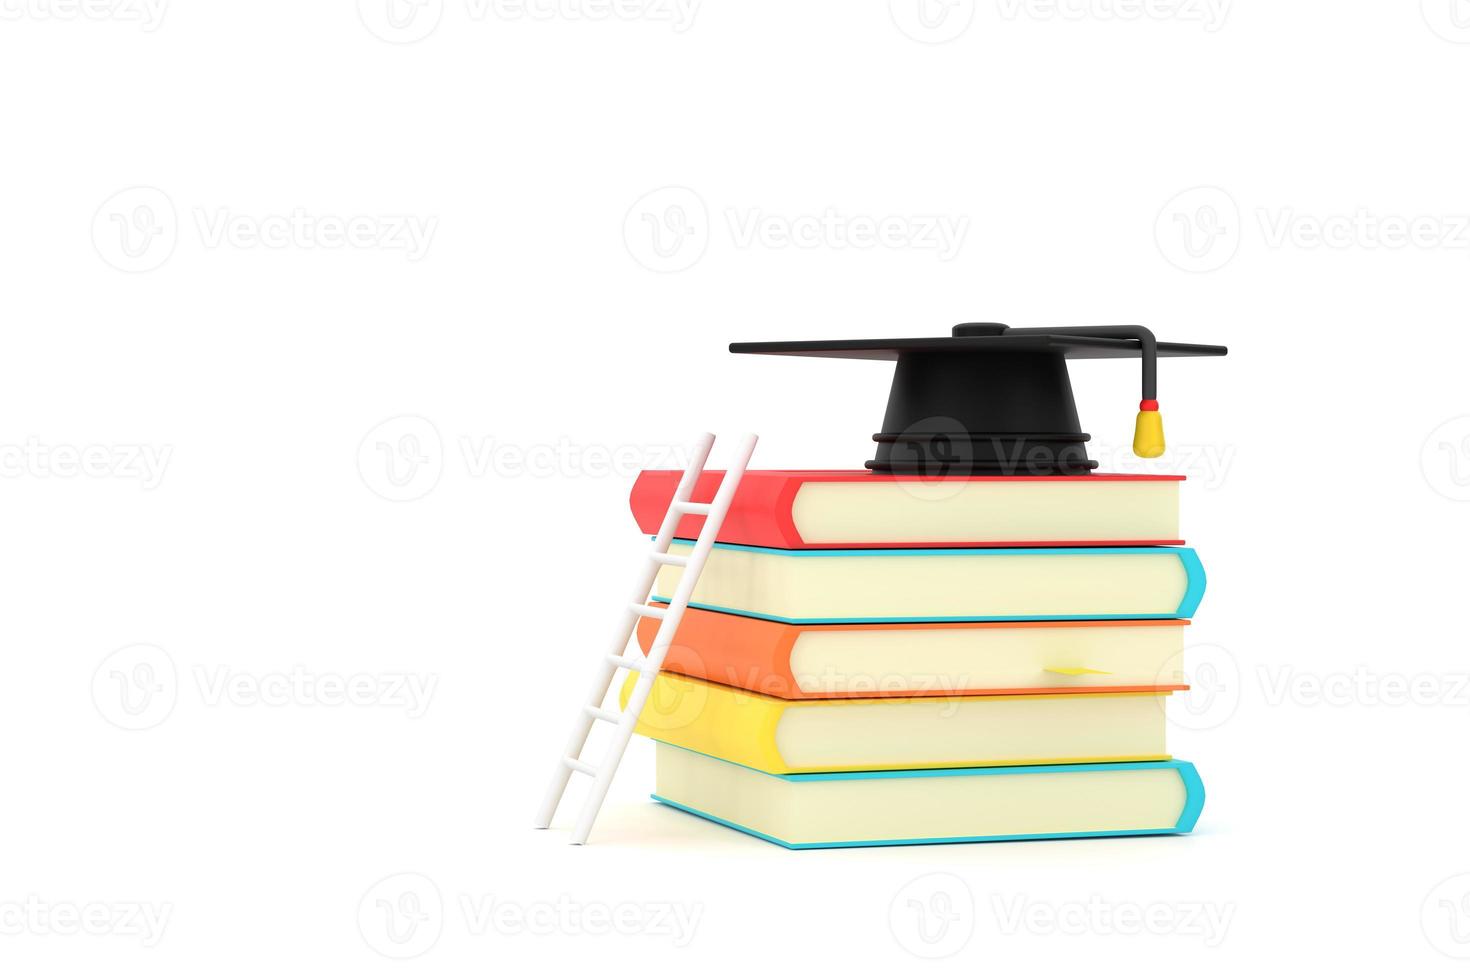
(918, 659)
(896, 585)
(850, 734)
(934, 806)
(845, 508)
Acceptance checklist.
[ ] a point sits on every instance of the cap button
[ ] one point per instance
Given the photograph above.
(979, 329)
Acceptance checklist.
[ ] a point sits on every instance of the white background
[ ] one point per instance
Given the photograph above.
(215, 318)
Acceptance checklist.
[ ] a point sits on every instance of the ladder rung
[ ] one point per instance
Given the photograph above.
(590, 710)
(602, 714)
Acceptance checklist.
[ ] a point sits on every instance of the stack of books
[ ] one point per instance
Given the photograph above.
(874, 659)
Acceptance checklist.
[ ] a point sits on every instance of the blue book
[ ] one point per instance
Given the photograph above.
(934, 806)
(939, 585)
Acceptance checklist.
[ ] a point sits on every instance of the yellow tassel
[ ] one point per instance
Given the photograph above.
(1148, 435)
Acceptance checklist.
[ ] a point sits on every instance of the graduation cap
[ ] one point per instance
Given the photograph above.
(996, 400)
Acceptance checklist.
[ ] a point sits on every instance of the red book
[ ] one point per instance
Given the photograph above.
(811, 509)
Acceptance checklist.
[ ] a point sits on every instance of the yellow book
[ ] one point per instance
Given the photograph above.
(858, 734)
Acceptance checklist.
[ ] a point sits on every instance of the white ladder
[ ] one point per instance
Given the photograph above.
(647, 667)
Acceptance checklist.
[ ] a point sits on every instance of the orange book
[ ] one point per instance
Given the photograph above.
(868, 660)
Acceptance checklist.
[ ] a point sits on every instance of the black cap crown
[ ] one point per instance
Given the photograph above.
(995, 400)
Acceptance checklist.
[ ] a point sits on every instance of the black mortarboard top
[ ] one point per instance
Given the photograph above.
(995, 400)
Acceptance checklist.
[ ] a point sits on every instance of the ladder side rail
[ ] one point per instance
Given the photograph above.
(602, 679)
(679, 601)
(662, 641)
(682, 494)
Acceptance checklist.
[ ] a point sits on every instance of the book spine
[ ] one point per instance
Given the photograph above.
(751, 654)
(759, 515)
